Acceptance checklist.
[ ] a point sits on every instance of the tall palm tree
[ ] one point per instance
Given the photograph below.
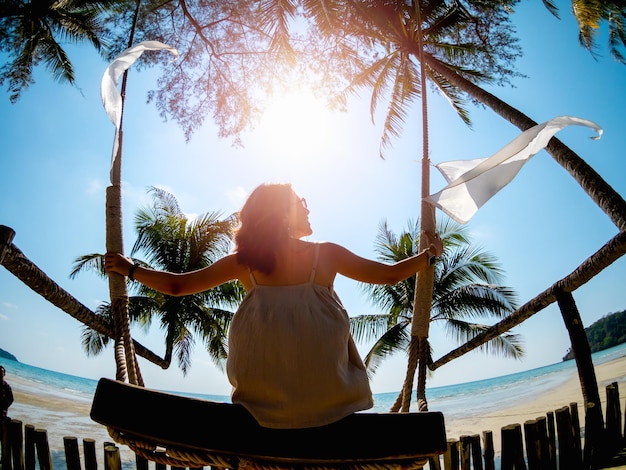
(33, 32)
(172, 241)
(466, 288)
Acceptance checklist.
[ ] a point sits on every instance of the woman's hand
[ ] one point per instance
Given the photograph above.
(116, 263)
(435, 243)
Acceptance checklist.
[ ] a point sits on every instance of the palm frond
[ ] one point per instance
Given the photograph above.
(93, 342)
(395, 339)
(404, 93)
(507, 345)
(369, 327)
(91, 262)
(275, 16)
(183, 346)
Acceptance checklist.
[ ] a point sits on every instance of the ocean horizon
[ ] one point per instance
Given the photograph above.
(463, 399)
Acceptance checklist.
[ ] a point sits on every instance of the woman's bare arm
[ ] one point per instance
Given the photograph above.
(362, 269)
(220, 272)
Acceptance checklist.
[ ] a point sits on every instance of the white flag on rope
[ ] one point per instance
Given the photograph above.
(111, 97)
(471, 183)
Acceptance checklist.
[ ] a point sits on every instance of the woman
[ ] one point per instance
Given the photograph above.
(292, 361)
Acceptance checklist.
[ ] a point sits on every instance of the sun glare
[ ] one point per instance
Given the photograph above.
(296, 126)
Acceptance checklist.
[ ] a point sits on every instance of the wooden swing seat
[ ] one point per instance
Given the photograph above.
(190, 432)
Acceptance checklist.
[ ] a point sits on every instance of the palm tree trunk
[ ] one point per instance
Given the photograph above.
(26, 271)
(594, 422)
(115, 243)
(592, 183)
(126, 365)
(423, 296)
(6, 238)
(30, 274)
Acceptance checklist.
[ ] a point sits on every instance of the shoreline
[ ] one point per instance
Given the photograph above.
(539, 405)
(67, 413)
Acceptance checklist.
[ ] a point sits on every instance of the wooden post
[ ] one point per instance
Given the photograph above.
(568, 457)
(573, 409)
(16, 436)
(547, 462)
(141, 462)
(112, 460)
(613, 419)
(512, 448)
(477, 458)
(533, 447)
(551, 439)
(536, 437)
(72, 456)
(43, 449)
(489, 453)
(29, 447)
(434, 463)
(451, 457)
(89, 449)
(465, 447)
(160, 466)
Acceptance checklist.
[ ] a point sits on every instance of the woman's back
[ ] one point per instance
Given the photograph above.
(292, 361)
(294, 264)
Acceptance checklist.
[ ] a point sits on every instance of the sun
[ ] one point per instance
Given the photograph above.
(296, 126)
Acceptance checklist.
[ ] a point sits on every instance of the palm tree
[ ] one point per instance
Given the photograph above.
(33, 32)
(466, 287)
(590, 14)
(172, 241)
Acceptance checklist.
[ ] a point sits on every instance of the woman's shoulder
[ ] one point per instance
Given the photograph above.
(333, 254)
(324, 247)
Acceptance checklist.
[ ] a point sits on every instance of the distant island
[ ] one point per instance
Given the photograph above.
(7, 355)
(605, 333)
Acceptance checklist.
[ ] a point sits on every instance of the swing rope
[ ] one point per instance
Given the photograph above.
(422, 301)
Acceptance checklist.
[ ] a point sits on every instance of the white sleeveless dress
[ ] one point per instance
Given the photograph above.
(291, 359)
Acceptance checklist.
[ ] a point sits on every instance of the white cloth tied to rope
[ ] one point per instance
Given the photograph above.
(111, 97)
(473, 182)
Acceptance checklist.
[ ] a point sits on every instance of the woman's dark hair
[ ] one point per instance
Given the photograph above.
(264, 226)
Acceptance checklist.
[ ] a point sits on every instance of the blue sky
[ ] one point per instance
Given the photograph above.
(56, 153)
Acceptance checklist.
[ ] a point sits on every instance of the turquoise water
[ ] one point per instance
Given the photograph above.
(466, 399)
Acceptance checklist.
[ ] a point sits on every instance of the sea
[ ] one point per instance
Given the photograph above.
(475, 397)
(465, 399)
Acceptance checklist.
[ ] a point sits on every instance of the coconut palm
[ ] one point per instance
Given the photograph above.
(172, 241)
(33, 32)
(590, 14)
(466, 288)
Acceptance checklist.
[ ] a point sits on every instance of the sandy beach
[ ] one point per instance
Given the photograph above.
(538, 405)
(63, 415)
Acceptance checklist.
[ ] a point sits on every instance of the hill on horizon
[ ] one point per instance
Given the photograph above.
(605, 333)
(7, 355)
